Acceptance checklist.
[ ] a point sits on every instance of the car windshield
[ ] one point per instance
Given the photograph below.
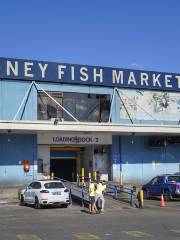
(54, 185)
(173, 178)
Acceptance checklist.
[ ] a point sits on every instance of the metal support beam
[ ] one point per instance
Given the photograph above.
(56, 102)
(112, 101)
(24, 99)
(124, 106)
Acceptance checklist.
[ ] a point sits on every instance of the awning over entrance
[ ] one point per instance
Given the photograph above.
(86, 127)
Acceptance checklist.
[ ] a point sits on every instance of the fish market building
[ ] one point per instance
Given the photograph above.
(60, 118)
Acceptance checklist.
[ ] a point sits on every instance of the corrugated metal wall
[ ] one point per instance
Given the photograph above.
(14, 148)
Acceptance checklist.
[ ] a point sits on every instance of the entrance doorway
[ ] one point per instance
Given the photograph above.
(65, 162)
(64, 168)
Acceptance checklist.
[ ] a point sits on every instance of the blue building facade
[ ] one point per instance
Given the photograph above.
(131, 99)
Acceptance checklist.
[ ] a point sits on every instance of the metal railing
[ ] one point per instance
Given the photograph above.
(117, 192)
(123, 193)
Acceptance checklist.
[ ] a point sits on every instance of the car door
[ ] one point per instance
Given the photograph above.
(27, 193)
(156, 186)
(35, 191)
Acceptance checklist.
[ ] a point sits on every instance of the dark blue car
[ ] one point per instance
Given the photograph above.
(168, 185)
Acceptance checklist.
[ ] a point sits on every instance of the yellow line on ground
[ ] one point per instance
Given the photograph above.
(27, 237)
(138, 234)
(85, 236)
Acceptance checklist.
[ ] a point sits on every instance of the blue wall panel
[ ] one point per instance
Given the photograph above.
(12, 94)
(116, 157)
(14, 149)
(141, 162)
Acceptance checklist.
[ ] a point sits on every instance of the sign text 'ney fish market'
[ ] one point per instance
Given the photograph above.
(88, 75)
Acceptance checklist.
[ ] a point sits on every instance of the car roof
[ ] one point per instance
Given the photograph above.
(167, 175)
(48, 180)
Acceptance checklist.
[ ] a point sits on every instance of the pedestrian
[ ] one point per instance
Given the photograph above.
(100, 189)
(92, 205)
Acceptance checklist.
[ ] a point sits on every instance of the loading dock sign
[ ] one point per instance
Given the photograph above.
(74, 139)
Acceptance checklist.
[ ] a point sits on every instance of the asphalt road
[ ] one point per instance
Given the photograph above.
(152, 222)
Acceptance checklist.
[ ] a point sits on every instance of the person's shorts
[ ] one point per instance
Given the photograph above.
(92, 200)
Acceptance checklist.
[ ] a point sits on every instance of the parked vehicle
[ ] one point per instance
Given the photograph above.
(44, 193)
(168, 185)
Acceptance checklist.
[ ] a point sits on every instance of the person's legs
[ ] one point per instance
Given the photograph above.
(94, 205)
(96, 197)
(89, 207)
(90, 204)
(103, 202)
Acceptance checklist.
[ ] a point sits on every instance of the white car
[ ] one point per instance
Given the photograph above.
(45, 193)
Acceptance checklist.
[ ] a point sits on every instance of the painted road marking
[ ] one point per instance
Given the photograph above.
(27, 237)
(138, 234)
(175, 231)
(85, 236)
(108, 234)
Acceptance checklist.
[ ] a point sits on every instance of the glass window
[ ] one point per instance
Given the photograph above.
(105, 105)
(157, 180)
(31, 185)
(85, 107)
(40, 165)
(160, 180)
(35, 185)
(173, 178)
(47, 108)
(154, 180)
(54, 185)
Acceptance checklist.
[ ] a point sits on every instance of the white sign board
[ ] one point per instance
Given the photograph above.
(74, 139)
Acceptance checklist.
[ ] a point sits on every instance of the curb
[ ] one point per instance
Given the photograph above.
(9, 201)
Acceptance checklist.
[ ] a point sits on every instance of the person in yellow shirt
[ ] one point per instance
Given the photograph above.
(92, 205)
(100, 189)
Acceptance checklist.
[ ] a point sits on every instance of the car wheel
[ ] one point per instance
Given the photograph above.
(167, 195)
(145, 194)
(21, 203)
(64, 205)
(36, 204)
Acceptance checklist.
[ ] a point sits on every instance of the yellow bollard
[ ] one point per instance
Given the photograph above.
(52, 175)
(82, 171)
(141, 198)
(121, 178)
(95, 175)
(89, 176)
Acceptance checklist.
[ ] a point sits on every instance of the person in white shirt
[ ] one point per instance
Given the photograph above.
(100, 189)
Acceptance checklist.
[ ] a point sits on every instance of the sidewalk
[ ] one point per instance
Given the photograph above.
(9, 195)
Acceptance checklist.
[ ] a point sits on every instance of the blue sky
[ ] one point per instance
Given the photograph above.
(137, 34)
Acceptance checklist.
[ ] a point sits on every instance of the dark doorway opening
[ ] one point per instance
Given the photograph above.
(64, 168)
